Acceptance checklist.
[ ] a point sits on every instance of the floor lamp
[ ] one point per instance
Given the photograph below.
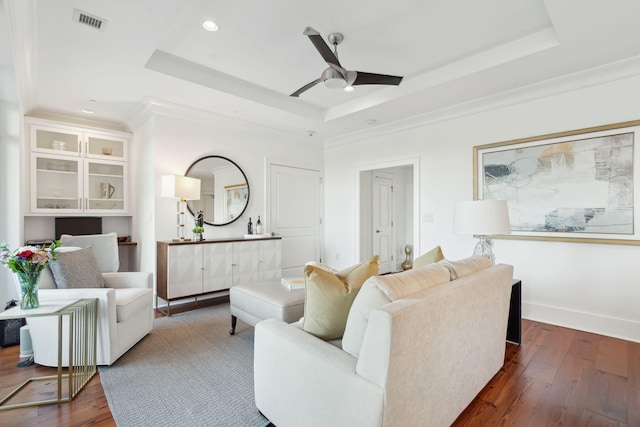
(482, 218)
(182, 188)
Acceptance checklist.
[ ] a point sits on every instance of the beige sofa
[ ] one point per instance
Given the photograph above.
(417, 349)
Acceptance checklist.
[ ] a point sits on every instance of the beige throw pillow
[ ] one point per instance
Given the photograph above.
(434, 255)
(329, 297)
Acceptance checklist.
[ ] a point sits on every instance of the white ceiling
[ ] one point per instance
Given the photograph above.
(449, 52)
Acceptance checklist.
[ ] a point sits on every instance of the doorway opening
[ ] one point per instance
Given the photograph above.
(388, 212)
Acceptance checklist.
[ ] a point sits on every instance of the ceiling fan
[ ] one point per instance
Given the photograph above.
(336, 76)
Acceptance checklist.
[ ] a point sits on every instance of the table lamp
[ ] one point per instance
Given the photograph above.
(182, 188)
(482, 218)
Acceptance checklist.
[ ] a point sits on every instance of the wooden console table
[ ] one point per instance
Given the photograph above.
(514, 326)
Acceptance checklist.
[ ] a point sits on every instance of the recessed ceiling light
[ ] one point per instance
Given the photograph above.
(87, 111)
(349, 89)
(210, 26)
(371, 121)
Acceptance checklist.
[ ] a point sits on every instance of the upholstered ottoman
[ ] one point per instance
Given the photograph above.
(253, 302)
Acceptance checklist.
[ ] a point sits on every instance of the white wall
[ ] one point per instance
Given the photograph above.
(10, 157)
(166, 145)
(592, 287)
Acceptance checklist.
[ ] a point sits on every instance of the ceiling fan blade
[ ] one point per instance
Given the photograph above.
(305, 88)
(324, 50)
(376, 79)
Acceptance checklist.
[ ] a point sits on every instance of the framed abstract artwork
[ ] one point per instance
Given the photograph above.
(235, 200)
(577, 186)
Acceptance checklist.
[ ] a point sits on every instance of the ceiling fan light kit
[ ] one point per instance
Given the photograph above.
(337, 77)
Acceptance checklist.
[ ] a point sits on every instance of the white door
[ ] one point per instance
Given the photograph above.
(294, 214)
(383, 236)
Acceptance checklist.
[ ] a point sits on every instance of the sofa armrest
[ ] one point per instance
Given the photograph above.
(292, 368)
(128, 279)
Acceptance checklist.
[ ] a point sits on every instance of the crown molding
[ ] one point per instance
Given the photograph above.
(595, 76)
(150, 107)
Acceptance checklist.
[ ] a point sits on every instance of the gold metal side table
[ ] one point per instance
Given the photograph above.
(78, 319)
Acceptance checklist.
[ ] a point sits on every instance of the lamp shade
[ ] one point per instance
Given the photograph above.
(180, 187)
(482, 217)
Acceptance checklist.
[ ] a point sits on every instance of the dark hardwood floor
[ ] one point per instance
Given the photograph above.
(558, 377)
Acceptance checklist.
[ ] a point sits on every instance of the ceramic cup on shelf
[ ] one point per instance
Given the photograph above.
(58, 145)
(106, 190)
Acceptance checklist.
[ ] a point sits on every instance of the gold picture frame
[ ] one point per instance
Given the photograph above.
(573, 186)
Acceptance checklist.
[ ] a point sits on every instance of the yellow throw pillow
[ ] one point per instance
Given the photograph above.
(434, 255)
(329, 297)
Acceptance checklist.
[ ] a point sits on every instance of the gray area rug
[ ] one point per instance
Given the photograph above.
(187, 372)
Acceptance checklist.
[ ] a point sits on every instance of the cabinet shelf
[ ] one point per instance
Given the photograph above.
(106, 175)
(58, 172)
(44, 197)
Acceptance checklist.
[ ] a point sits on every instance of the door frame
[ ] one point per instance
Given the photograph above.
(415, 163)
(268, 163)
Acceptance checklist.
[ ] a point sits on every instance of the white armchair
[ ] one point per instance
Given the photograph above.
(125, 316)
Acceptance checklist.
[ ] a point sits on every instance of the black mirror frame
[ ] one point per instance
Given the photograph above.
(245, 179)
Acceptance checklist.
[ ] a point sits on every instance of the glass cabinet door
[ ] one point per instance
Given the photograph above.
(56, 184)
(105, 147)
(56, 140)
(105, 189)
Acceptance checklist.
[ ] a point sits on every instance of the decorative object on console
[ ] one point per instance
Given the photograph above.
(330, 295)
(249, 227)
(182, 188)
(259, 229)
(197, 233)
(482, 218)
(27, 263)
(407, 264)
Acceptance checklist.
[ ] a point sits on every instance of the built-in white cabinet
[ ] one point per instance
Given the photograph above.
(76, 170)
(192, 269)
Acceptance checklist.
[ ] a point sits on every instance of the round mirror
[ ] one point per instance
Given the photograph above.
(224, 190)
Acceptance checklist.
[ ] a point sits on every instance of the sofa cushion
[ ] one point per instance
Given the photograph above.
(129, 302)
(76, 269)
(329, 297)
(466, 266)
(381, 290)
(434, 255)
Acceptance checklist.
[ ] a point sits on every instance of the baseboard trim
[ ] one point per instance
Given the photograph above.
(589, 322)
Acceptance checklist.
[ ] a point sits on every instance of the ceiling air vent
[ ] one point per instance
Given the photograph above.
(89, 20)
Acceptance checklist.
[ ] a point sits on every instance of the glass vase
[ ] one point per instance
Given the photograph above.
(28, 283)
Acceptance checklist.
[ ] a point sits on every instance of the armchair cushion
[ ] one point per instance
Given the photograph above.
(76, 269)
(329, 297)
(104, 247)
(129, 302)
